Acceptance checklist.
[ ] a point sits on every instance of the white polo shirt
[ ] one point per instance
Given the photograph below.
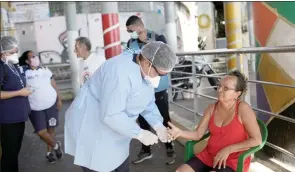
(44, 95)
(90, 65)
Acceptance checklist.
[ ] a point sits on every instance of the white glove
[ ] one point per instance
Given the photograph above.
(147, 138)
(162, 133)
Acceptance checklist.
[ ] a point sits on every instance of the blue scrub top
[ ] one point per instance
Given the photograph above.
(16, 109)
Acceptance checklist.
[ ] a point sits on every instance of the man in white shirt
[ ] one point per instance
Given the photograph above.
(91, 61)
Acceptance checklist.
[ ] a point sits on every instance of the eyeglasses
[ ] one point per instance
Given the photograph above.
(130, 31)
(224, 88)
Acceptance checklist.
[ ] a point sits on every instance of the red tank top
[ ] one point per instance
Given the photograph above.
(221, 137)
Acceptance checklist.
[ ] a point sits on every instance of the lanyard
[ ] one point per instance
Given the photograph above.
(17, 74)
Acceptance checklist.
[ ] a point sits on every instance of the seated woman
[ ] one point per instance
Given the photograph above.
(233, 129)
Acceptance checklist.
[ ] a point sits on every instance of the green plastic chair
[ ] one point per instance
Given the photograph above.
(189, 146)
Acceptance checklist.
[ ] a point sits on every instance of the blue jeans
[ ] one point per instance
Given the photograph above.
(122, 168)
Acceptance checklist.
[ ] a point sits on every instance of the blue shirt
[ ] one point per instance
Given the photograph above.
(15, 109)
(136, 44)
(101, 121)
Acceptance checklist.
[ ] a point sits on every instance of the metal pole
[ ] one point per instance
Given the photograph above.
(111, 29)
(170, 27)
(85, 11)
(170, 98)
(195, 87)
(72, 33)
(251, 34)
(232, 17)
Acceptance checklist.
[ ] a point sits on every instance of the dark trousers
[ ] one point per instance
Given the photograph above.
(122, 168)
(11, 141)
(163, 106)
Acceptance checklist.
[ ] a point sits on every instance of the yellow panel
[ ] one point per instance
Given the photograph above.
(278, 97)
(231, 63)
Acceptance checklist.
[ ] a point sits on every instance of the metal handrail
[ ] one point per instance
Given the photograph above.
(248, 50)
(282, 49)
(256, 109)
(250, 81)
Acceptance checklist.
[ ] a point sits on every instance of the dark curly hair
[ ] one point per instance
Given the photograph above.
(242, 81)
(22, 59)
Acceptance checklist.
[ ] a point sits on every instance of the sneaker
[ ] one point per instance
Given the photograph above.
(50, 157)
(58, 152)
(170, 156)
(142, 156)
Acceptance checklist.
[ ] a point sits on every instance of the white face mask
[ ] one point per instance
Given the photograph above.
(12, 58)
(134, 35)
(154, 82)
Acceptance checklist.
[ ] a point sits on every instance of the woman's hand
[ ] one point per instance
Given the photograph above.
(25, 92)
(173, 131)
(221, 157)
(59, 104)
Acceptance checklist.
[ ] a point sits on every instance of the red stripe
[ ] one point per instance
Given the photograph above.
(264, 21)
(112, 36)
(113, 51)
(109, 20)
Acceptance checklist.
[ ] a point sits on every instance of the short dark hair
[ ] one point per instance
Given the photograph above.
(85, 41)
(242, 81)
(23, 58)
(133, 20)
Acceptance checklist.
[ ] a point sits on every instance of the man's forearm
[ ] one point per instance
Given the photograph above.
(8, 94)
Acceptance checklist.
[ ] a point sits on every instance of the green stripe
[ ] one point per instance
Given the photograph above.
(285, 9)
(258, 55)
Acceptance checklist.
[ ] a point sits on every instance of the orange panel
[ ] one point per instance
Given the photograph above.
(264, 20)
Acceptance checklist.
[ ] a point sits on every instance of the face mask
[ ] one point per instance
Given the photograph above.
(154, 82)
(35, 61)
(134, 35)
(12, 58)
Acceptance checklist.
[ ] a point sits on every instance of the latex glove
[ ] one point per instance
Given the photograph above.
(162, 133)
(147, 138)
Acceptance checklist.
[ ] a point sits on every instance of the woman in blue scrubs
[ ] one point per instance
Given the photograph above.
(14, 104)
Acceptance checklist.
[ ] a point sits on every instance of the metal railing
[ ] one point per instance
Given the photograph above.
(196, 91)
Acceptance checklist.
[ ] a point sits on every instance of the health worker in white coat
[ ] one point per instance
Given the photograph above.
(101, 121)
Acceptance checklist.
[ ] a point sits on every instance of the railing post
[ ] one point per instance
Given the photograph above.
(170, 98)
(194, 87)
(242, 65)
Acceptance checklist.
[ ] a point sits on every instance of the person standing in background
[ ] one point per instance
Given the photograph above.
(139, 37)
(91, 61)
(14, 104)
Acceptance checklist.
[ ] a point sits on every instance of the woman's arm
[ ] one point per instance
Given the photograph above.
(53, 83)
(249, 121)
(59, 100)
(196, 134)
(10, 94)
